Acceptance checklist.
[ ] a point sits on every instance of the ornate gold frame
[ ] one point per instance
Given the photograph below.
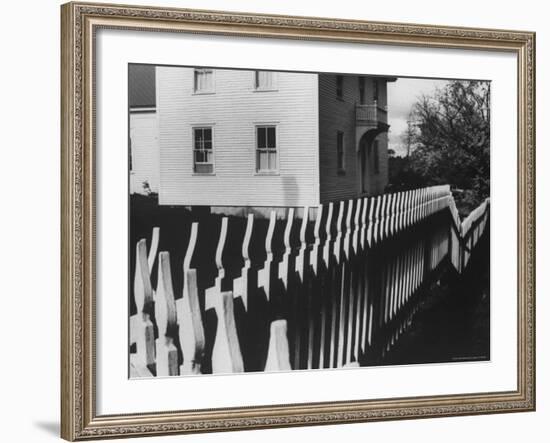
(79, 420)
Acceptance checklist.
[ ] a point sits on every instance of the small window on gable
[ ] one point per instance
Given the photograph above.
(204, 80)
(264, 80)
(340, 154)
(266, 149)
(203, 151)
(340, 86)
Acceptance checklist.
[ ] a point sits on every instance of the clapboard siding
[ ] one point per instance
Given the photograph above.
(338, 114)
(233, 110)
(335, 115)
(144, 151)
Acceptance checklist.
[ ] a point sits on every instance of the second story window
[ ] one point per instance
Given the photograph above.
(362, 90)
(264, 80)
(339, 86)
(340, 157)
(203, 152)
(266, 149)
(375, 89)
(204, 80)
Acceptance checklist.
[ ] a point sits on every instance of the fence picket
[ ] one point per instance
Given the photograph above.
(339, 295)
(278, 357)
(165, 315)
(142, 328)
(226, 353)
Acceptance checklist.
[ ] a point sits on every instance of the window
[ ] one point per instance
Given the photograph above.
(266, 149)
(339, 86)
(375, 89)
(362, 90)
(264, 80)
(203, 155)
(340, 158)
(204, 80)
(375, 159)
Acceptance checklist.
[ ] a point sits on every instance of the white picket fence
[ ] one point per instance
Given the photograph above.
(342, 295)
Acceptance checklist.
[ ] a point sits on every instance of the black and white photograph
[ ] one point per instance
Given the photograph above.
(285, 221)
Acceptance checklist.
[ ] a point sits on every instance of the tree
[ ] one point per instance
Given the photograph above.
(452, 140)
(408, 136)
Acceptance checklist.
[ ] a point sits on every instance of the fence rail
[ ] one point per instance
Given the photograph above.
(336, 287)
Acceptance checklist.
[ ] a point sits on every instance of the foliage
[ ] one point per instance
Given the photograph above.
(450, 142)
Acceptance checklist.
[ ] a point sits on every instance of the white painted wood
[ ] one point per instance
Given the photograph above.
(143, 296)
(191, 330)
(154, 247)
(226, 353)
(144, 136)
(165, 316)
(233, 110)
(278, 357)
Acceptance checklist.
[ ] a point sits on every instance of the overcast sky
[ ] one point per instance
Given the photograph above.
(402, 95)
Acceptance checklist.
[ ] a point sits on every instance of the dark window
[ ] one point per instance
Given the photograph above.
(375, 89)
(339, 86)
(266, 149)
(362, 90)
(340, 158)
(203, 154)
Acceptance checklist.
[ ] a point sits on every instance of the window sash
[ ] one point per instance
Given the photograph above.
(266, 149)
(204, 80)
(203, 152)
(339, 86)
(264, 80)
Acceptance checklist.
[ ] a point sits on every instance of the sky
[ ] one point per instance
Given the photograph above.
(402, 95)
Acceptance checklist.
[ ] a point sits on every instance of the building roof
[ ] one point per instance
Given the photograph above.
(141, 86)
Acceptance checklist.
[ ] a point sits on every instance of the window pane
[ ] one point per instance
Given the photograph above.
(207, 134)
(204, 80)
(272, 161)
(198, 136)
(339, 85)
(204, 168)
(261, 137)
(207, 75)
(264, 80)
(262, 161)
(271, 137)
(199, 139)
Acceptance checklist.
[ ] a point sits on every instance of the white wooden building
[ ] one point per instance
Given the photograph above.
(258, 138)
